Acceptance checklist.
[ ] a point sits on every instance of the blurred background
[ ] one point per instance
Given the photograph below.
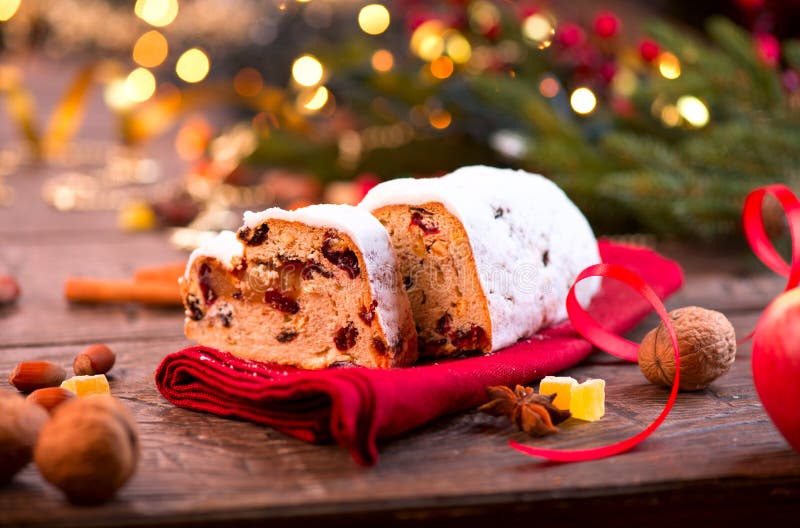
(656, 117)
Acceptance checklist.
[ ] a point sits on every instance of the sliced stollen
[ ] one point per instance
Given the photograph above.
(486, 255)
(315, 287)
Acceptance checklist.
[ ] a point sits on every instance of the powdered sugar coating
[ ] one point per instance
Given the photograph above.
(529, 241)
(373, 242)
(224, 247)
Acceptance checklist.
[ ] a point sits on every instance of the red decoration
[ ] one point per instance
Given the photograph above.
(527, 9)
(649, 50)
(750, 5)
(617, 346)
(364, 182)
(607, 71)
(768, 48)
(607, 24)
(776, 364)
(571, 35)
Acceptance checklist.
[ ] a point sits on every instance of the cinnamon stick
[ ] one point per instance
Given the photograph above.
(170, 272)
(79, 289)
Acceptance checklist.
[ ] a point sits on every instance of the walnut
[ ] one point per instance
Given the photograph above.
(707, 344)
(20, 423)
(89, 449)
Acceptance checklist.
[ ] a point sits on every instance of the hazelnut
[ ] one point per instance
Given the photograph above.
(95, 359)
(20, 423)
(50, 397)
(28, 376)
(707, 344)
(89, 448)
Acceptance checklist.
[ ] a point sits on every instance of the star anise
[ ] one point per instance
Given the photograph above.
(533, 413)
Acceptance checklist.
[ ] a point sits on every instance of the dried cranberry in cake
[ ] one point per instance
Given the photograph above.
(443, 325)
(473, 338)
(379, 345)
(422, 218)
(345, 337)
(281, 302)
(311, 268)
(193, 305)
(335, 250)
(204, 279)
(254, 237)
(286, 336)
(367, 315)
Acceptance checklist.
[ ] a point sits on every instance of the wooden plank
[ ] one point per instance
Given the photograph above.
(197, 467)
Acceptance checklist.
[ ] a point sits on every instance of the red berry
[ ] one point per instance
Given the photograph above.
(649, 50)
(768, 48)
(606, 24)
(570, 35)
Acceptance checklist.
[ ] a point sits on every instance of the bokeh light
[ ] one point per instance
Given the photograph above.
(442, 67)
(8, 8)
(158, 13)
(140, 85)
(307, 70)
(484, 16)
(440, 119)
(373, 19)
(151, 49)
(669, 66)
(624, 82)
(193, 65)
(427, 41)
(458, 48)
(314, 100)
(115, 97)
(538, 30)
(548, 87)
(670, 116)
(248, 82)
(583, 101)
(693, 110)
(382, 60)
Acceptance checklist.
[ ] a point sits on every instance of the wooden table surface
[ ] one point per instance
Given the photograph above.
(716, 458)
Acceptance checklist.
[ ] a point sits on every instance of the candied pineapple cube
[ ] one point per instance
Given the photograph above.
(87, 385)
(561, 386)
(588, 400)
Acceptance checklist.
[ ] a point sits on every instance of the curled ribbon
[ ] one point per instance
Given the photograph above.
(757, 235)
(617, 346)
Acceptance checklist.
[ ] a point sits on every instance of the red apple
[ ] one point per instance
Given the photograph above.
(776, 364)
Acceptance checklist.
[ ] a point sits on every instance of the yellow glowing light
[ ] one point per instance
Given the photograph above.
(307, 71)
(8, 9)
(157, 13)
(427, 41)
(539, 30)
(483, 16)
(192, 65)
(548, 87)
(442, 67)
(115, 97)
(151, 49)
(458, 48)
(669, 66)
(140, 85)
(440, 119)
(373, 19)
(315, 100)
(248, 82)
(670, 116)
(382, 60)
(583, 101)
(693, 110)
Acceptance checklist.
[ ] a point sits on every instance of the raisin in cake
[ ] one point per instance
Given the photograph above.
(316, 286)
(487, 255)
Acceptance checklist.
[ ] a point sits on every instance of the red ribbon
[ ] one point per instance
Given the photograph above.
(617, 346)
(757, 236)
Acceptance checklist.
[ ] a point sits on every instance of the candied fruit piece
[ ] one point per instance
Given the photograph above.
(588, 400)
(561, 386)
(87, 385)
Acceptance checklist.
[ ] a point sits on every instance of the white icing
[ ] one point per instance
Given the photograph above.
(373, 242)
(224, 247)
(533, 216)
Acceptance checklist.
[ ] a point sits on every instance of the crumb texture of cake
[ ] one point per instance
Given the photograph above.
(314, 287)
(486, 255)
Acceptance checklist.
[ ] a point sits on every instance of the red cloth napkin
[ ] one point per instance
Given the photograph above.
(357, 406)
